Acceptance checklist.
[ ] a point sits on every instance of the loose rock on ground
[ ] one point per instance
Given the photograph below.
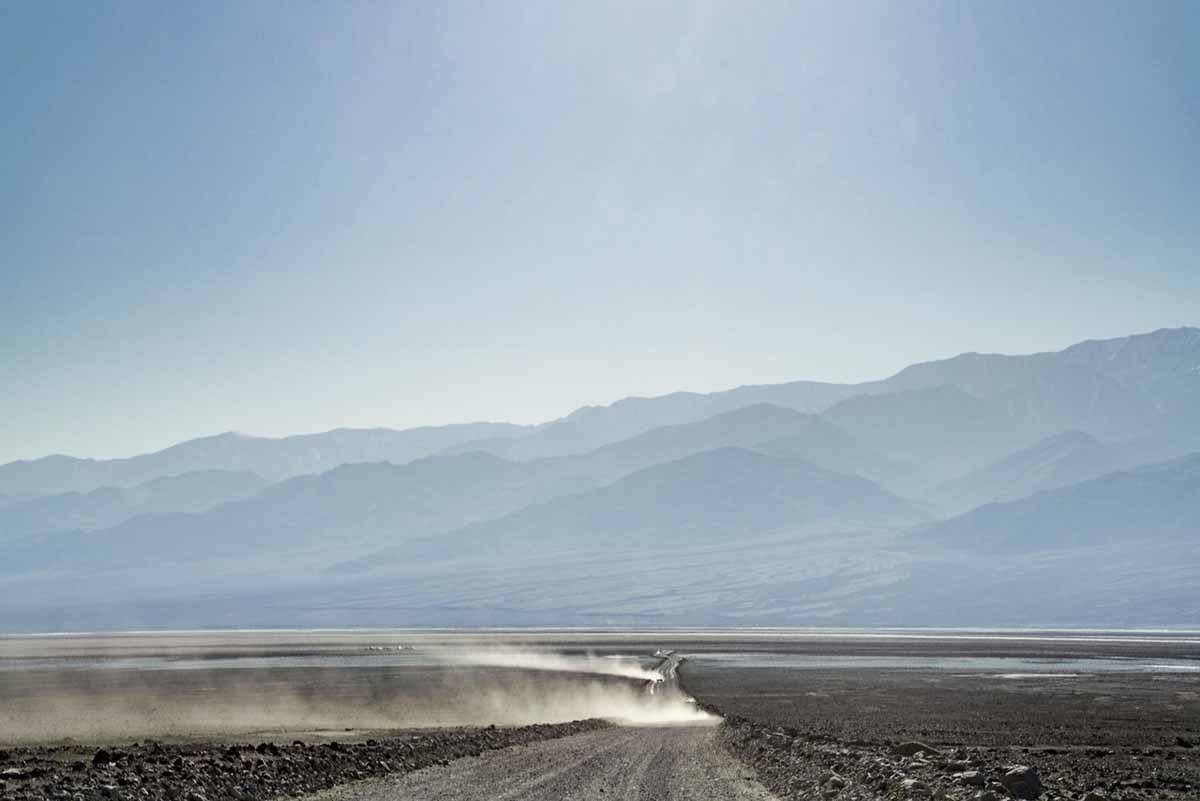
(244, 772)
(800, 765)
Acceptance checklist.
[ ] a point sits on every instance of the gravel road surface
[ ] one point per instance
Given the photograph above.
(659, 763)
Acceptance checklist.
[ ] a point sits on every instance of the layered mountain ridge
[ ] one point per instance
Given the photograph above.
(792, 503)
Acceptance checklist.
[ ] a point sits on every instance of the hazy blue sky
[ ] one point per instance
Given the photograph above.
(286, 217)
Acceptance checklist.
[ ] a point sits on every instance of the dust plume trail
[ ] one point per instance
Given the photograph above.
(621, 666)
(632, 702)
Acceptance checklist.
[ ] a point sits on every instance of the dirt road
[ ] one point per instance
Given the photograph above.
(618, 764)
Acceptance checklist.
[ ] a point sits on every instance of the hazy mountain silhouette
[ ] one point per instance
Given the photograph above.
(1132, 387)
(345, 510)
(1056, 461)
(727, 495)
(942, 430)
(1113, 389)
(763, 427)
(1153, 503)
(108, 506)
(591, 427)
(356, 506)
(729, 490)
(273, 459)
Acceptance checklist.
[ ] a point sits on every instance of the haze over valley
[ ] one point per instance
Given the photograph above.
(685, 400)
(989, 490)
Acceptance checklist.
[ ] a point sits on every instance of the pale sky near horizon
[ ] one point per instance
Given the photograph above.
(287, 217)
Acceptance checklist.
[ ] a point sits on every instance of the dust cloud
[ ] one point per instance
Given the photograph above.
(645, 701)
(617, 665)
(433, 688)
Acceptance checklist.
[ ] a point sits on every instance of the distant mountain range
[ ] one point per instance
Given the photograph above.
(994, 476)
(594, 426)
(1157, 503)
(1121, 549)
(763, 427)
(354, 506)
(717, 496)
(1055, 461)
(1137, 387)
(108, 506)
(273, 459)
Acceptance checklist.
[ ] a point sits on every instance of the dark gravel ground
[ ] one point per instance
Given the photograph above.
(876, 734)
(223, 770)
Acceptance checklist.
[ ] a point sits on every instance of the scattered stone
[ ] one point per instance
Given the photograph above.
(204, 772)
(970, 778)
(913, 748)
(1095, 795)
(1022, 781)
